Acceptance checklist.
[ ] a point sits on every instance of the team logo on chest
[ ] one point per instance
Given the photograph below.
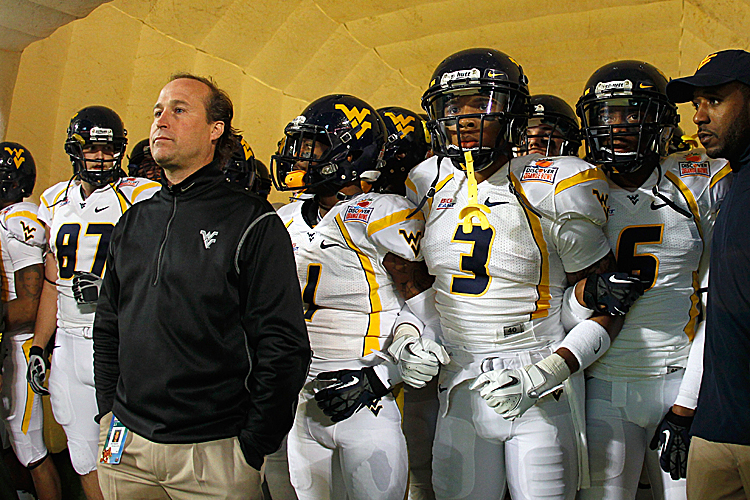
(209, 238)
(633, 198)
(359, 212)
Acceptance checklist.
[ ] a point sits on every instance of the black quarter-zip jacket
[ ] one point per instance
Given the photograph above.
(199, 332)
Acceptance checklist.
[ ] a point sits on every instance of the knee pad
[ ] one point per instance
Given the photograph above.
(82, 456)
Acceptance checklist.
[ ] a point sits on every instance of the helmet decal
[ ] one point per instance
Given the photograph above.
(357, 118)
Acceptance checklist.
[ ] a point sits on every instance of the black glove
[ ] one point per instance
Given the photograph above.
(86, 287)
(673, 436)
(612, 293)
(37, 370)
(344, 392)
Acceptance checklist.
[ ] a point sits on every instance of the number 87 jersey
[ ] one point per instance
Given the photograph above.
(501, 287)
(79, 235)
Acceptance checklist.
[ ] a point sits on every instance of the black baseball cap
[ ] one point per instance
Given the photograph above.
(715, 69)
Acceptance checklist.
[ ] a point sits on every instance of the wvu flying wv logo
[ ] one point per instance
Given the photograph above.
(357, 118)
(412, 239)
(603, 199)
(706, 60)
(402, 123)
(16, 154)
(28, 231)
(247, 149)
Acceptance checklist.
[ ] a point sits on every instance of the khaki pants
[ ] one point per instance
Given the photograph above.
(717, 470)
(151, 471)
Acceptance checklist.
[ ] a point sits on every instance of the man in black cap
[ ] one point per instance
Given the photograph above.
(719, 457)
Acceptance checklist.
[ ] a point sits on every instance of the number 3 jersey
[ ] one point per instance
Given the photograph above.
(79, 235)
(22, 240)
(350, 299)
(664, 240)
(501, 288)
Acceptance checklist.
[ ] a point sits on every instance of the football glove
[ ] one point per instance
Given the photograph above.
(510, 392)
(37, 370)
(418, 359)
(673, 437)
(342, 393)
(86, 287)
(611, 293)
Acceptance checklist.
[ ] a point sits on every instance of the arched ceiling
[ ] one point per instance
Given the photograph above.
(275, 56)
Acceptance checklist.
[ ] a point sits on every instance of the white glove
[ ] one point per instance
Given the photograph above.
(418, 359)
(510, 392)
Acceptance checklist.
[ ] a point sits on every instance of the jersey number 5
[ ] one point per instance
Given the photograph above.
(644, 266)
(67, 247)
(475, 262)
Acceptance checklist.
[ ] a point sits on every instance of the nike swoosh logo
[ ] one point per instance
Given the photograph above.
(596, 351)
(654, 206)
(489, 203)
(354, 381)
(99, 209)
(618, 281)
(667, 435)
(513, 381)
(324, 246)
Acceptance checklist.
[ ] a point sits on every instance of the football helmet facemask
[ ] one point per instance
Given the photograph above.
(91, 126)
(17, 172)
(406, 146)
(338, 139)
(626, 116)
(552, 118)
(477, 101)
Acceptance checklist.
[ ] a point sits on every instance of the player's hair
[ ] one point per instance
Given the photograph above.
(219, 108)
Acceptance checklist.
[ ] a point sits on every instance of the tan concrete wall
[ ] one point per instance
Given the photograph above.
(275, 56)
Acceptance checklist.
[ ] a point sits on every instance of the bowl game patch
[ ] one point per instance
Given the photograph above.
(537, 173)
(689, 168)
(359, 212)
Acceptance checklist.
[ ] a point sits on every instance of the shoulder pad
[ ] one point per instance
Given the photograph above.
(21, 223)
(54, 194)
(563, 187)
(289, 211)
(422, 177)
(137, 188)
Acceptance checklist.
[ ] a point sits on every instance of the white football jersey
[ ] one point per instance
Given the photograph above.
(669, 251)
(502, 287)
(79, 235)
(22, 241)
(350, 300)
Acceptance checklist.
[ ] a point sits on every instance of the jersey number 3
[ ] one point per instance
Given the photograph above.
(475, 262)
(67, 247)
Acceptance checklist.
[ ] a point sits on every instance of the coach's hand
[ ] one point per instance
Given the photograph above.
(673, 437)
(611, 293)
(342, 393)
(37, 370)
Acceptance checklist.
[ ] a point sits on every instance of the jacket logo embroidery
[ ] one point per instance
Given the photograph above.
(208, 238)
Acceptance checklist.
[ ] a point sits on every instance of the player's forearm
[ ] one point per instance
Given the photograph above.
(46, 317)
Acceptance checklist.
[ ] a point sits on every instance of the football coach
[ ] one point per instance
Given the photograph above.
(200, 345)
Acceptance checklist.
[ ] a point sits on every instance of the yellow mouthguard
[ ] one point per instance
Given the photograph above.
(472, 208)
(295, 179)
